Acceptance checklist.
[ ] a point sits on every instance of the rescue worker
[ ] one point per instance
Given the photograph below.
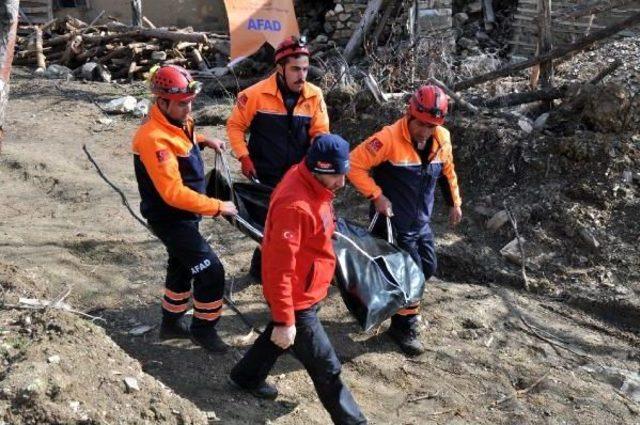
(298, 266)
(171, 181)
(397, 169)
(282, 114)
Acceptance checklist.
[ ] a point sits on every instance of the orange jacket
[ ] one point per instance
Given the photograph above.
(170, 170)
(388, 163)
(277, 141)
(298, 260)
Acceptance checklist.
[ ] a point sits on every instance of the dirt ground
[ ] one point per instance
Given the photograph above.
(496, 354)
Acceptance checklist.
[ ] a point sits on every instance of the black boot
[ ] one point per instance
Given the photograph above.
(255, 271)
(263, 390)
(210, 341)
(407, 340)
(174, 329)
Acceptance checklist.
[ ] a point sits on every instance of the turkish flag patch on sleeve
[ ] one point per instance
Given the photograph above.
(374, 145)
(162, 155)
(242, 101)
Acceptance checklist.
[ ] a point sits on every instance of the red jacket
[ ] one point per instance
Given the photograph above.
(298, 260)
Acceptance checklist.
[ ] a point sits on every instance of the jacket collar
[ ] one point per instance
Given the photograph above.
(156, 115)
(271, 87)
(318, 190)
(406, 136)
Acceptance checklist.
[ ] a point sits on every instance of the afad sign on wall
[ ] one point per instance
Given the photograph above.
(254, 22)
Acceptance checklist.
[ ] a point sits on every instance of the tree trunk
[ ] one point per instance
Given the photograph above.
(8, 26)
(361, 30)
(544, 41)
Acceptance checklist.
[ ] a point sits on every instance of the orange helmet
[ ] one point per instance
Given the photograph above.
(292, 46)
(174, 83)
(429, 105)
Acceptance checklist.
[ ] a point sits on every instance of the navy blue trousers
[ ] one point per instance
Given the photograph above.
(191, 261)
(314, 350)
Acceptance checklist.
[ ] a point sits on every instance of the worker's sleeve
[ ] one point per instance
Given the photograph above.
(368, 154)
(238, 124)
(279, 251)
(320, 119)
(162, 166)
(200, 138)
(449, 173)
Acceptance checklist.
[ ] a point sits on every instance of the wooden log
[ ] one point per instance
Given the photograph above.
(148, 23)
(544, 42)
(606, 71)
(198, 61)
(40, 58)
(514, 99)
(556, 53)
(361, 30)
(455, 96)
(72, 49)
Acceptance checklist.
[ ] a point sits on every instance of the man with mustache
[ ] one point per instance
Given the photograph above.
(299, 263)
(406, 159)
(282, 114)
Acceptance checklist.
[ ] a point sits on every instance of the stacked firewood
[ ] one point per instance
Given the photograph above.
(116, 50)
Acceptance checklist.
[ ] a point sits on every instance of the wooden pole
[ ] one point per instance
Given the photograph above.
(361, 30)
(592, 8)
(8, 26)
(136, 13)
(545, 41)
(41, 60)
(556, 53)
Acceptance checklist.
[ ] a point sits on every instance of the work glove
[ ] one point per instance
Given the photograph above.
(248, 170)
(283, 336)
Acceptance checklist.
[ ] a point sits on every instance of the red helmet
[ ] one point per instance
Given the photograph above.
(292, 46)
(174, 83)
(429, 105)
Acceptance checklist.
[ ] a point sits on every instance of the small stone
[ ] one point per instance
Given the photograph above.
(131, 384)
(541, 121)
(475, 7)
(525, 125)
(498, 220)
(588, 238)
(58, 72)
(627, 176)
(26, 320)
(328, 28)
(321, 39)
(467, 43)
(459, 19)
(339, 8)
(511, 251)
(212, 417)
(160, 55)
(105, 121)
(75, 406)
(482, 36)
(55, 359)
(343, 17)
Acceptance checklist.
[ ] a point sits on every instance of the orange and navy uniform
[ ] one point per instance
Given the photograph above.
(171, 180)
(170, 170)
(279, 137)
(388, 163)
(298, 258)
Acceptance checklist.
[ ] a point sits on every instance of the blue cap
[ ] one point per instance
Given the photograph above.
(328, 154)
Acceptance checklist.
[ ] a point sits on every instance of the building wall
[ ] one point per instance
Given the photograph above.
(203, 15)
